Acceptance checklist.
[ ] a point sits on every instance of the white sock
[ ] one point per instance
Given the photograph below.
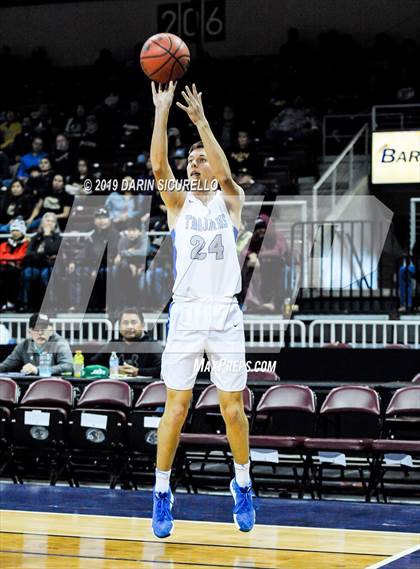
(162, 480)
(242, 474)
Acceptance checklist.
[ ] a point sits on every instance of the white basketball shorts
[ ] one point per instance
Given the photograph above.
(213, 327)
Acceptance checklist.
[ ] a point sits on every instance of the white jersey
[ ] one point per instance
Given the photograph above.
(206, 264)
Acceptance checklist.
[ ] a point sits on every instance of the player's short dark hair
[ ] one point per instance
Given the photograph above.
(196, 145)
(131, 310)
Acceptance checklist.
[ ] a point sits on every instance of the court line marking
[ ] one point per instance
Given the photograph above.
(178, 521)
(394, 557)
(193, 543)
(152, 561)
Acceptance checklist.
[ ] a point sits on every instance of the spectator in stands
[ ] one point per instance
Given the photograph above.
(12, 253)
(47, 173)
(130, 261)
(227, 128)
(250, 186)
(76, 125)
(33, 158)
(15, 202)
(124, 205)
(9, 129)
(4, 167)
(406, 276)
(40, 258)
(75, 185)
(295, 122)
(133, 360)
(90, 142)
(104, 236)
(23, 141)
(56, 200)
(63, 160)
(179, 164)
(25, 357)
(267, 253)
(174, 142)
(37, 184)
(243, 154)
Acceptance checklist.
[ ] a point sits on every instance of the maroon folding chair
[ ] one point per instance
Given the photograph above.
(39, 425)
(285, 415)
(401, 437)
(97, 428)
(205, 444)
(142, 425)
(349, 421)
(9, 397)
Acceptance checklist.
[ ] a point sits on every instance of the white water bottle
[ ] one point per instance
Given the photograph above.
(113, 366)
(44, 369)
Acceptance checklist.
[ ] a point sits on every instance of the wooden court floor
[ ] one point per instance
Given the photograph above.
(34, 540)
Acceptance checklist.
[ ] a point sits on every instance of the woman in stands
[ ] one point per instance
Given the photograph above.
(39, 259)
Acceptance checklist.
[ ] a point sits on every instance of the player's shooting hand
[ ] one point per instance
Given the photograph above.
(194, 108)
(163, 95)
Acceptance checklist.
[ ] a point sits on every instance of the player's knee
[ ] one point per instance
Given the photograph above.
(232, 413)
(176, 414)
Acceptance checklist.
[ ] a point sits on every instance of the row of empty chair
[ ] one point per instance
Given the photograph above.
(106, 430)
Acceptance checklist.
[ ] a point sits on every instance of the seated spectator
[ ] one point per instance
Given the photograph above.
(63, 160)
(56, 200)
(33, 158)
(47, 173)
(12, 253)
(250, 186)
(124, 205)
(9, 129)
(76, 125)
(37, 184)
(23, 141)
(179, 164)
(133, 362)
(174, 142)
(84, 255)
(15, 202)
(242, 154)
(294, 122)
(90, 141)
(226, 128)
(25, 357)
(39, 260)
(77, 178)
(130, 261)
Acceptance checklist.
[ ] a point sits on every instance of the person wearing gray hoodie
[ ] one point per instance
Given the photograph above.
(25, 357)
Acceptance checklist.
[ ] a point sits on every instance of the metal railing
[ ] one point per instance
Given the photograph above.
(364, 333)
(395, 116)
(331, 175)
(414, 221)
(340, 130)
(260, 331)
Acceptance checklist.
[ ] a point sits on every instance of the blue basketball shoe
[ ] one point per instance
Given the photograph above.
(163, 521)
(243, 511)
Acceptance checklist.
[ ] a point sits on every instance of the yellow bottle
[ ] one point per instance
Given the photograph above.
(78, 363)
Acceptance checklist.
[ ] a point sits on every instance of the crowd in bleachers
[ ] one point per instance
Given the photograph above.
(53, 140)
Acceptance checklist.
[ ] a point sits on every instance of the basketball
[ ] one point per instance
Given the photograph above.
(164, 57)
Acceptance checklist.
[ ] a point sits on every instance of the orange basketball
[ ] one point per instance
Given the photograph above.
(164, 57)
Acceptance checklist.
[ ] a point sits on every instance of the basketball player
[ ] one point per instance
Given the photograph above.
(204, 315)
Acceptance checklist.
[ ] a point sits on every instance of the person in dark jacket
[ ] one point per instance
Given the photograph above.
(15, 202)
(133, 360)
(25, 357)
(40, 257)
(12, 253)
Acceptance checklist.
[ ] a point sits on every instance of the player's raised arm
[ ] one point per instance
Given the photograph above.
(162, 99)
(233, 193)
